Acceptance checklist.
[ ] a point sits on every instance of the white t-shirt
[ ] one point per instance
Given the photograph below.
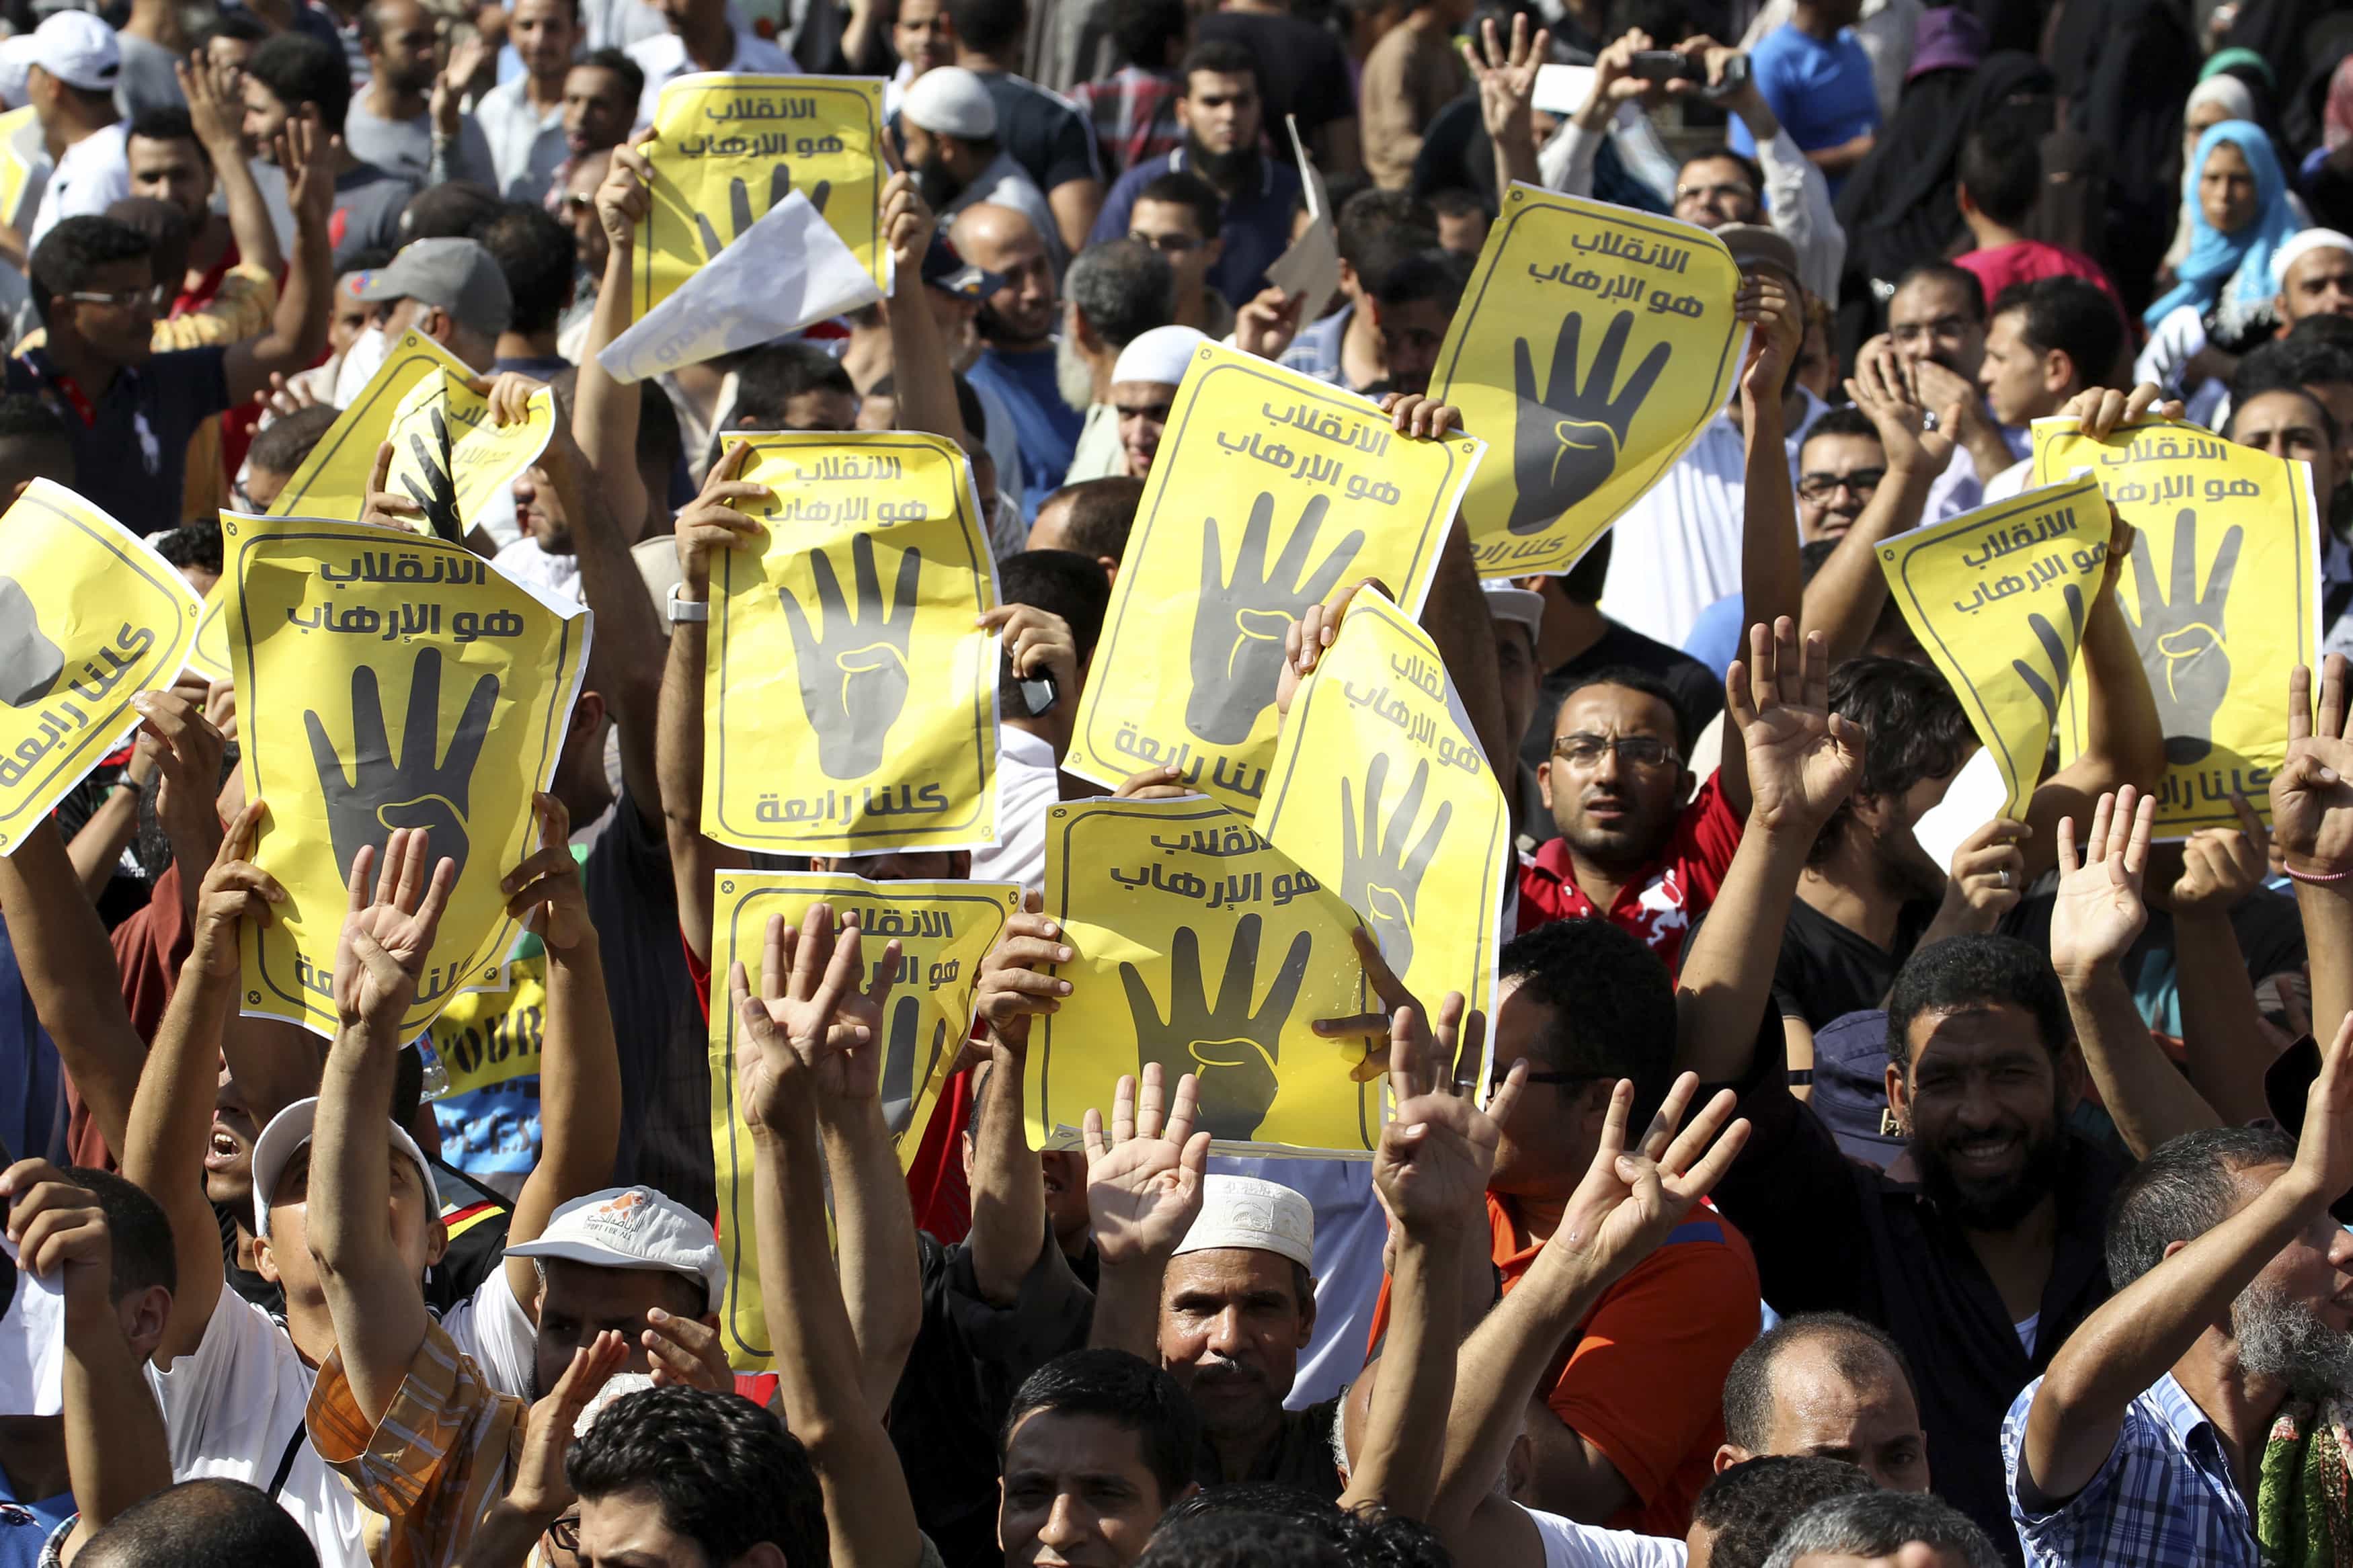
(2012, 481)
(93, 175)
(1026, 782)
(1568, 1545)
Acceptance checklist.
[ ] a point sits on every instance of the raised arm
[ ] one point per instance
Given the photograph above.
(1507, 85)
(1771, 580)
(2144, 1328)
(1008, 1183)
(2224, 1038)
(919, 352)
(1845, 597)
(604, 411)
(377, 1303)
(1144, 1191)
(580, 1062)
(788, 1037)
(2097, 915)
(170, 1118)
(1568, 159)
(214, 109)
(298, 328)
(2312, 824)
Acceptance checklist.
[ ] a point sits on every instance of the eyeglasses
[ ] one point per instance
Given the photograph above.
(1167, 244)
(1737, 191)
(564, 1534)
(1583, 751)
(1819, 488)
(127, 300)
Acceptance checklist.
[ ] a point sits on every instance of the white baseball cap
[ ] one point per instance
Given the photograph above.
(289, 1129)
(1254, 1214)
(949, 101)
(1159, 356)
(634, 1228)
(77, 49)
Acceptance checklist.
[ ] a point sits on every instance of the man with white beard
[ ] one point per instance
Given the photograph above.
(2201, 1414)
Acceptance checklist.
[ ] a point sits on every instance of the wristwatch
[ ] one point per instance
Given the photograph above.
(682, 611)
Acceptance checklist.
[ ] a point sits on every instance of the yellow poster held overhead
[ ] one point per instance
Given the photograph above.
(818, 737)
(944, 930)
(332, 481)
(1381, 790)
(388, 680)
(89, 617)
(1203, 948)
(2223, 598)
(1594, 342)
(450, 458)
(209, 655)
(1270, 490)
(727, 147)
(1998, 597)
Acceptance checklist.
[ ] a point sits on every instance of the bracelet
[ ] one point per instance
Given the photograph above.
(125, 783)
(2294, 875)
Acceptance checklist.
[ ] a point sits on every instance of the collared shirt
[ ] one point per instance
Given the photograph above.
(2165, 1496)
(1678, 547)
(1660, 903)
(1316, 350)
(131, 446)
(91, 176)
(663, 58)
(1045, 427)
(527, 148)
(1134, 112)
(1256, 227)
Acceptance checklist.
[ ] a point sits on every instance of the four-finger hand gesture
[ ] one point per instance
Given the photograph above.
(1143, 1177)
(234, 891)
(2312, 795)
(1437, 1152)
(792, 1032)
(387, 933)
(1631, 1198)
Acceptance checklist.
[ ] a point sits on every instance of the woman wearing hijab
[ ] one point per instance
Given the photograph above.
(2220, 302)
(2219, 97)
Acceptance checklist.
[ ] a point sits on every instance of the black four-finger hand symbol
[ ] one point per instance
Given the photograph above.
(1378, 875)
(739, 208)
(2180, 640)
(2055, 650)
(1238, 623)
(1566, 443)
(1229, 1047)
(904, 1077)
(853, 672)
(425, 787)
(431, 486)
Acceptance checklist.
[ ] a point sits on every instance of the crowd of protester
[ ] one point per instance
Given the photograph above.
(1826, 1204)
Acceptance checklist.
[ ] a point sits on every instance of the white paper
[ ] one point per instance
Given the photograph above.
(32, 1345)
(784, 273)
(1311, 266)
(1973, 799)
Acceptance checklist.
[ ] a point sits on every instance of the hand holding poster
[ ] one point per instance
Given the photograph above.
(1205, 949)
(1271, 489)
(1616, 331)
(1381, 790)
(2223, 600)
(89, 617)
(818, 738)
(919, 1018)
(333, 628)
(727, 147)
(1998, 598)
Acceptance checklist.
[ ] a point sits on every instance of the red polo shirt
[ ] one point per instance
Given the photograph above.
(1659, 904)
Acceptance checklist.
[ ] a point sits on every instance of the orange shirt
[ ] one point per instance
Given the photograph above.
(1643, 1379)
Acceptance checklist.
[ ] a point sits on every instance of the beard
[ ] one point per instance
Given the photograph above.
(1991, 1205)
(936, 184)
(1224, 170)
(2283, 1338)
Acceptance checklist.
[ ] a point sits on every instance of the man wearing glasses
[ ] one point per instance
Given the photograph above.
(1178, 215)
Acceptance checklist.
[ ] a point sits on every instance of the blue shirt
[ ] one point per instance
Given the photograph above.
(1256, 227)
(1717, 639)
(1045, 427)
(1820, 91)
(25, 1526)
(1316, 350)
(2165, 1499)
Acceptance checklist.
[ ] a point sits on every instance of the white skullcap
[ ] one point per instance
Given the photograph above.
(949, 101)
(2303, 244)
(1160, 354)
(1506, 602)
(1256, 1216)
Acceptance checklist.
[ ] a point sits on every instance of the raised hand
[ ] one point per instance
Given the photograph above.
(308, 152)
(2098, 911)
(1803, 759)
(1240, 623)
(387, 937)
(854, 676)
(215, 105)
(1378, 873)
(716, 522)
(904, 1076)
(1401, 1031)
(683, 1353)
(2221, 867)
(2055, 649)
(1143, 1179)
(1013, 986)
(1903, 424)
(425, 788)
(1986, 877)
(843, 1062)
(1507, 77)
(186, 748)
(234, 891)
(2183, 637)
(1631, 1199)
(544, 893)
(1233, 1048)
(61, 1233)
(540, 1491)
(2312, 795)
(625, 197)
(1437, 1152)
(908, 222)
(1770, 306)
(2099, 411)
(789, 1028)
(1565, 445)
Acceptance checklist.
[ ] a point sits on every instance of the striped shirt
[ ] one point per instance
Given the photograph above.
(2165, 1499)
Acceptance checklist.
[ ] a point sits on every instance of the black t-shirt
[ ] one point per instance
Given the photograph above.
(1827, 971)
(1301, 69)
(1698, 694)
(477, 1218)
(131, 453)
(1042, 132)
(2270, 933)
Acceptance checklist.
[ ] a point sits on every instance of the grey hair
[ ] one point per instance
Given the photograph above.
(1877, 1523)
(2185, 1188)
(1123, 288)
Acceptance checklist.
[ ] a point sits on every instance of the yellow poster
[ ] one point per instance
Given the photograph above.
(89, 617)
(451, 458)
(2223, 598)
(335, 628)
(944, 930)
(1597, 342)
(1997, 598)
(1203, 948)
(208, 656)
(819, 738)
(20, 150)
(728, 148)
(488, 1038)
(1381, 790)
(1270, 491)
(332, 481)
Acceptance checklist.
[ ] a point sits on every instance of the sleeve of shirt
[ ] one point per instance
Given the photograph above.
(491, 1327)
(1050, 1316)
(1565, 163)
(1073, 154)
(1707, 837)
(1645, 1383)
(2065, 1532)
(1797, 201)
(217, 1399)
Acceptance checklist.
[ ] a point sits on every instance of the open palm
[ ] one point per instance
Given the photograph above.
(388, 933)
(2312, 795)
(786, 1050)
(1436, 1152)
(2098, 910)
(1803, 759)
(1143, 1177)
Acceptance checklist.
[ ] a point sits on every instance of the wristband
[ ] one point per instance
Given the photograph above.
(2318, 878)
(123, 783)
(684, 611)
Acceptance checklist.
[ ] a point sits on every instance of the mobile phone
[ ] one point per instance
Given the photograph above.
(1038, 690)
(1664, 65)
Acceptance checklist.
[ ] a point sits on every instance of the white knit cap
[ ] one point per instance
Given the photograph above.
(1159, 356)
(2303, 244)
(1260, 1216)
(949, 101)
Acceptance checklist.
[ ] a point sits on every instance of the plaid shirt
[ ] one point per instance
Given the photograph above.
(1134, 112)
(2165, 1499)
